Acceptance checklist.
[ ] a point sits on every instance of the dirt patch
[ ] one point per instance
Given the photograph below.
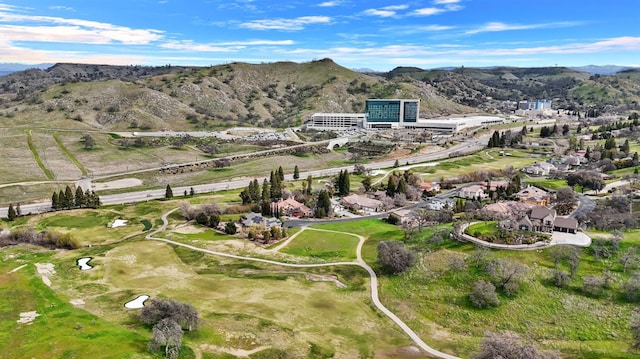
(188, 229)
(310, 276)
(233, 351)
(27, 317)
(77, 302)
(121, 183)
(45, 268)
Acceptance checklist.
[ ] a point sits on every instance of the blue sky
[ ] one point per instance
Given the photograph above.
(372, 34)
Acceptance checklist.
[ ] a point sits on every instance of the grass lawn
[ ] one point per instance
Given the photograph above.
(61, 330)
(547, 183)
(484, 228)
(329, 246)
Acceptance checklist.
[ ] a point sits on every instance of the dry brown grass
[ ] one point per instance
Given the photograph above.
(53, 158)
(17, 164)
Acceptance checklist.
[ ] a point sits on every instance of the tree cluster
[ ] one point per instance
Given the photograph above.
(612, 213)
(586, 179)
(394, 257)
(271, 191)
(67, 199)
(48, 239)
(509, 345)
(323, 204)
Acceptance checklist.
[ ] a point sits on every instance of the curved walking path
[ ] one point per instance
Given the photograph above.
(359, 262)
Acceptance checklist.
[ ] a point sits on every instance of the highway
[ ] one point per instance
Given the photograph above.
(473, 145)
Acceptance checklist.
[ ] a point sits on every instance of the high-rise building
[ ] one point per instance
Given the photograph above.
(382, 113)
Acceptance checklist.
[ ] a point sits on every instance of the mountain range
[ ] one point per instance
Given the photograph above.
(285, 93)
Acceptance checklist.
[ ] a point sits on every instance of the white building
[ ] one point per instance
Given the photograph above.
(335, 121)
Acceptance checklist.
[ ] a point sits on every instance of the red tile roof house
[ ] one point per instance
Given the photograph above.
(429, 186)
(292, 208)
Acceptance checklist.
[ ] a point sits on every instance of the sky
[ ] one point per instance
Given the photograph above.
(377, 35)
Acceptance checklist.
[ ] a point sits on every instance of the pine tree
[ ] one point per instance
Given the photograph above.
(79, 200)
(168, 192)
(192, 192)
(309, 182)
(391, 186)
(11, 213)
(281, 173)
(88, 199)
(266, 191)
(346, 183)
(68, 197)
(296, 173)
(396, 164)
(55, 203)
(18, 210)
(402, 186)
(62, 202)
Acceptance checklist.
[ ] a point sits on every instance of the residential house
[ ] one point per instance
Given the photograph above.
(405, 215)
(362, 203)
(429, 186)
(539, 169)
(493, 185)
(256, 219)
(472, 191)
(565, 224)
(438, 204)
(508, 208)
(542, 219)
(292, 208)
(534, 196)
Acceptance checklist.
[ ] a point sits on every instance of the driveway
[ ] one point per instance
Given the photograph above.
(578, 239)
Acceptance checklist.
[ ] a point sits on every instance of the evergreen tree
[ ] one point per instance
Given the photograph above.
(281, 173)
(254, 191)
(391, 186)
(68, 197)
(88, 198)
(402, 186)
(55, 203)
(323, 206)
(168, 192)
(18, 210)
(79, 200)
(266, 191)
(296, 173)
(214, 220)
(396, 164)
(635, 159)
(309, 182)
(192, 192)
(62, 202)
(625, 147)
(11, 213)
(346, 183)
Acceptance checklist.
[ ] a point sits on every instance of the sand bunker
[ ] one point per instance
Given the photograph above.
(83, 263)
(137, 303)
(119, 223)
(27, 317)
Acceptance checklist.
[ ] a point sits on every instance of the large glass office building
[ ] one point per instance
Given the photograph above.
(391, 113)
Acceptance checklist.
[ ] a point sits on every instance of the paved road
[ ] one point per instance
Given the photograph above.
(472, 146)
(359, 262)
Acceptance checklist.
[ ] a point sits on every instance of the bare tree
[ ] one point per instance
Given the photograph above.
(561, 278)
(168, 334)
(393, 257)
(483, 295)
(507, 274)
(509, 345)
(629, 259)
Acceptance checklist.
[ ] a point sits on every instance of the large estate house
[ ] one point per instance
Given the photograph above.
(542, 219)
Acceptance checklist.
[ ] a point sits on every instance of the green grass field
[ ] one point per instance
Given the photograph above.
(332, 247)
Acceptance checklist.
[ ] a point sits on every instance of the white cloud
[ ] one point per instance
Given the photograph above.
(500, 26)
(231, 46)
(73, 30)
(286, 24)
(428, 11)
(381, 13)
(62, 8)
(395, 7)
(443, 2)
(329, 3)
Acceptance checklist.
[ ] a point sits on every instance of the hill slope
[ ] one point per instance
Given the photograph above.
(178, 98)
